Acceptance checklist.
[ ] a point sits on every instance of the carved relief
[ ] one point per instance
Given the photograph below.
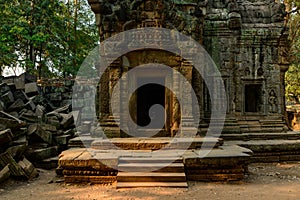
(273, 102)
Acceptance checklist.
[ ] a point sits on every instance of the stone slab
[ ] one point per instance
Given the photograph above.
(152, 184)
(31, 89)
(39, 154)
(4, 174)
(151, 177)
(90, 179)
(156, 143)
(6, 137)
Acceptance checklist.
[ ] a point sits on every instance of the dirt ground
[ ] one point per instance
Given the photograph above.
(265, 181)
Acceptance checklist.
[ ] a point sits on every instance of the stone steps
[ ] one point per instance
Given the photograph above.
(263, 136)
(225, 163)
(150, 160)
(150, 172)
(158, 167)
(150, 177)
(276, 150)
(152, 184)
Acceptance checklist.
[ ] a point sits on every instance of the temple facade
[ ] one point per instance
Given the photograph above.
(247, 40)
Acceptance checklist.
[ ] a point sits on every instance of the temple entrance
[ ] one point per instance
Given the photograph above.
(253, 99)
(147, 96)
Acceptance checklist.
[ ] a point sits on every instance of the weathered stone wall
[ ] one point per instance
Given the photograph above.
(247, 41)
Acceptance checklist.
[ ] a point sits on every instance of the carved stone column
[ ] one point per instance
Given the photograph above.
(175, 104)
(124, 104)
(188, 127)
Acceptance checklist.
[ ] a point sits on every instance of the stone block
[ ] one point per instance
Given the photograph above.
(16, 106)
(4, 173)
(28, 116)
(70, 132)
(7, 98)
(4, 88)
(36, 133)
(62, 140)
(30, 105)
(28, 168)
(31, 89)
(21, 132)
(15, 169)
(20, 141)
(17, 151)
(9, 121)
(67, 121)
(38, 154)
(14, 113)
(1, 106)
(12, 87)
(24, 78)
(32, 128)
(65, 109)
(8, 80)
(6, 137)
(20, 94)
(19, 83)
(40, 110)
(53, 120)
(49, 163)
(49, 127)
(76, 115)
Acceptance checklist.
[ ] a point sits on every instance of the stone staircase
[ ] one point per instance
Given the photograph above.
(250, 126)
(151, 172)
(228, 126)
(262, 126)
(272, 126)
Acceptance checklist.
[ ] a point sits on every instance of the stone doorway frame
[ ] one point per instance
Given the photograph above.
(263, 96)
(164, 75)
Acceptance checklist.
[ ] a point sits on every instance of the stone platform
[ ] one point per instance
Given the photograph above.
(272, 150)
(145, 167)
(268, 147)
(156, 143)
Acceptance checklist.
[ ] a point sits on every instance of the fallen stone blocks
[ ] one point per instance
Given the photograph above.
(33, 130)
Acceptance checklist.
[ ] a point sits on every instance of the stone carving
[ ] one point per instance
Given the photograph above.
(272, 101)
(260, 72)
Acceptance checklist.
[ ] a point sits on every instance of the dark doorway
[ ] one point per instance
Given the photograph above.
(253, 98)
(147, 96)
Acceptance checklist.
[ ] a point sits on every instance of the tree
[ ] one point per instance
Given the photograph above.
(293, 74)
(46, 37)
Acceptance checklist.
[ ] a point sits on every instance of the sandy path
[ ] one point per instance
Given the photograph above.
(266, 181)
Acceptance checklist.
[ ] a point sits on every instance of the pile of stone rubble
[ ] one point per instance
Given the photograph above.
(34, 126)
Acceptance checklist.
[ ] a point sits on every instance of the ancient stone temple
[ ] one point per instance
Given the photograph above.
(246, 39)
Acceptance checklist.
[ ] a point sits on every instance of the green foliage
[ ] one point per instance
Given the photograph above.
(293, 84)
(292, 77)
(46, 37)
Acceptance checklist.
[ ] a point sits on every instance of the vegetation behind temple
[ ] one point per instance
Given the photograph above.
(293, 74)
(46, 37)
